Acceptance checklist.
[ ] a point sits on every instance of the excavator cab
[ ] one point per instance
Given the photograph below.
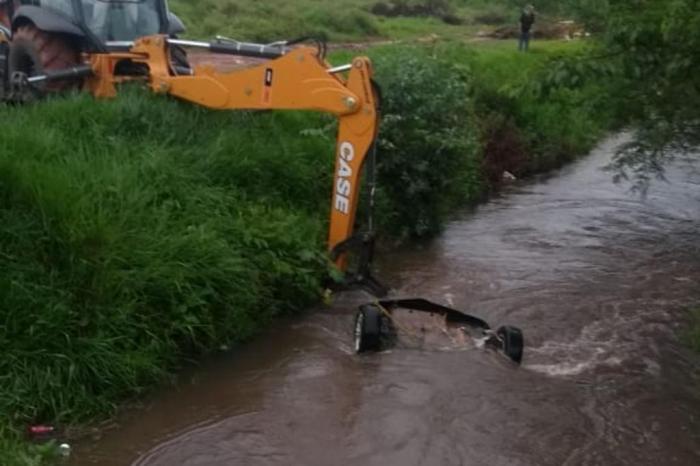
(45, 36)
(98, 22)
(119, 20)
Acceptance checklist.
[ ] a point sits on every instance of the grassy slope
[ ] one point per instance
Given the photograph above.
(142, 230)
(692, 335)
(551, 129)
(268, 20)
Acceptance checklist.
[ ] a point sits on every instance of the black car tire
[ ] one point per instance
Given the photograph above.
(368, 329)
(513, 342)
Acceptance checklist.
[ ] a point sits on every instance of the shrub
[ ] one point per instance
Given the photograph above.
(428, 149)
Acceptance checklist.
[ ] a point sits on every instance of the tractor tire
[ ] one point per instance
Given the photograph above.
(513, 342)
(35, 52)
(368, 329)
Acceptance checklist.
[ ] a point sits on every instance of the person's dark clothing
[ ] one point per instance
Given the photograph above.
(526, 21)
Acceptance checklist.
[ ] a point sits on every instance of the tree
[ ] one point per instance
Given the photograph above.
(651, 50)
(655, 46)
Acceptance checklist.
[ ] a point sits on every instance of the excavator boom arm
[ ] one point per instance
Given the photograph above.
(297, 80)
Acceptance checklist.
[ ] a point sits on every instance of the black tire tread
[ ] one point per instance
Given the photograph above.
(371, 329)
(513, 342)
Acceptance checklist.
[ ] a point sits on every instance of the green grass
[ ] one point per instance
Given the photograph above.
(408, 29)
(270, 20)
(554, 127)
(349, 20)
(141, 231)
(544, 130)
(17, 453)
(499, 62)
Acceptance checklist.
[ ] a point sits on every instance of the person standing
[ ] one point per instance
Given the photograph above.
(527, 19)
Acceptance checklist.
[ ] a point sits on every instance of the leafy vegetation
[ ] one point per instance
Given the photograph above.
(654, 46)
(270, 20)
(550, 129)
(16, 453)
(649, 48)
(429, 146)
(485, 114)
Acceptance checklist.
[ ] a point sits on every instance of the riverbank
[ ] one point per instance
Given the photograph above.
(142, 232)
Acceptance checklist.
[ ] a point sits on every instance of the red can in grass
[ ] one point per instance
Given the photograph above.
(41, 432)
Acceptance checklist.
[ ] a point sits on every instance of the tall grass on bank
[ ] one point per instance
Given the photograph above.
(271, 20)
(138, 231)
(545, 130)
(346, 20)
(457, 117)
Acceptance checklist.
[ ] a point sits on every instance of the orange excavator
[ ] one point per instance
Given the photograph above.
(49, 46)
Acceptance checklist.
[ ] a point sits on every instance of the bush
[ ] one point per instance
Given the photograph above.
(429, 159)
(521, 110)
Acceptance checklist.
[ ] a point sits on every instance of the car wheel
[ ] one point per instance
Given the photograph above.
(368, 329)
(513, 342)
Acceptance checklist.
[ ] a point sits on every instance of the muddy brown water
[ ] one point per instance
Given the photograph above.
(597, 278)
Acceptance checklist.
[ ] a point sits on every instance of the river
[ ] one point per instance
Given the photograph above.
(599, 280)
